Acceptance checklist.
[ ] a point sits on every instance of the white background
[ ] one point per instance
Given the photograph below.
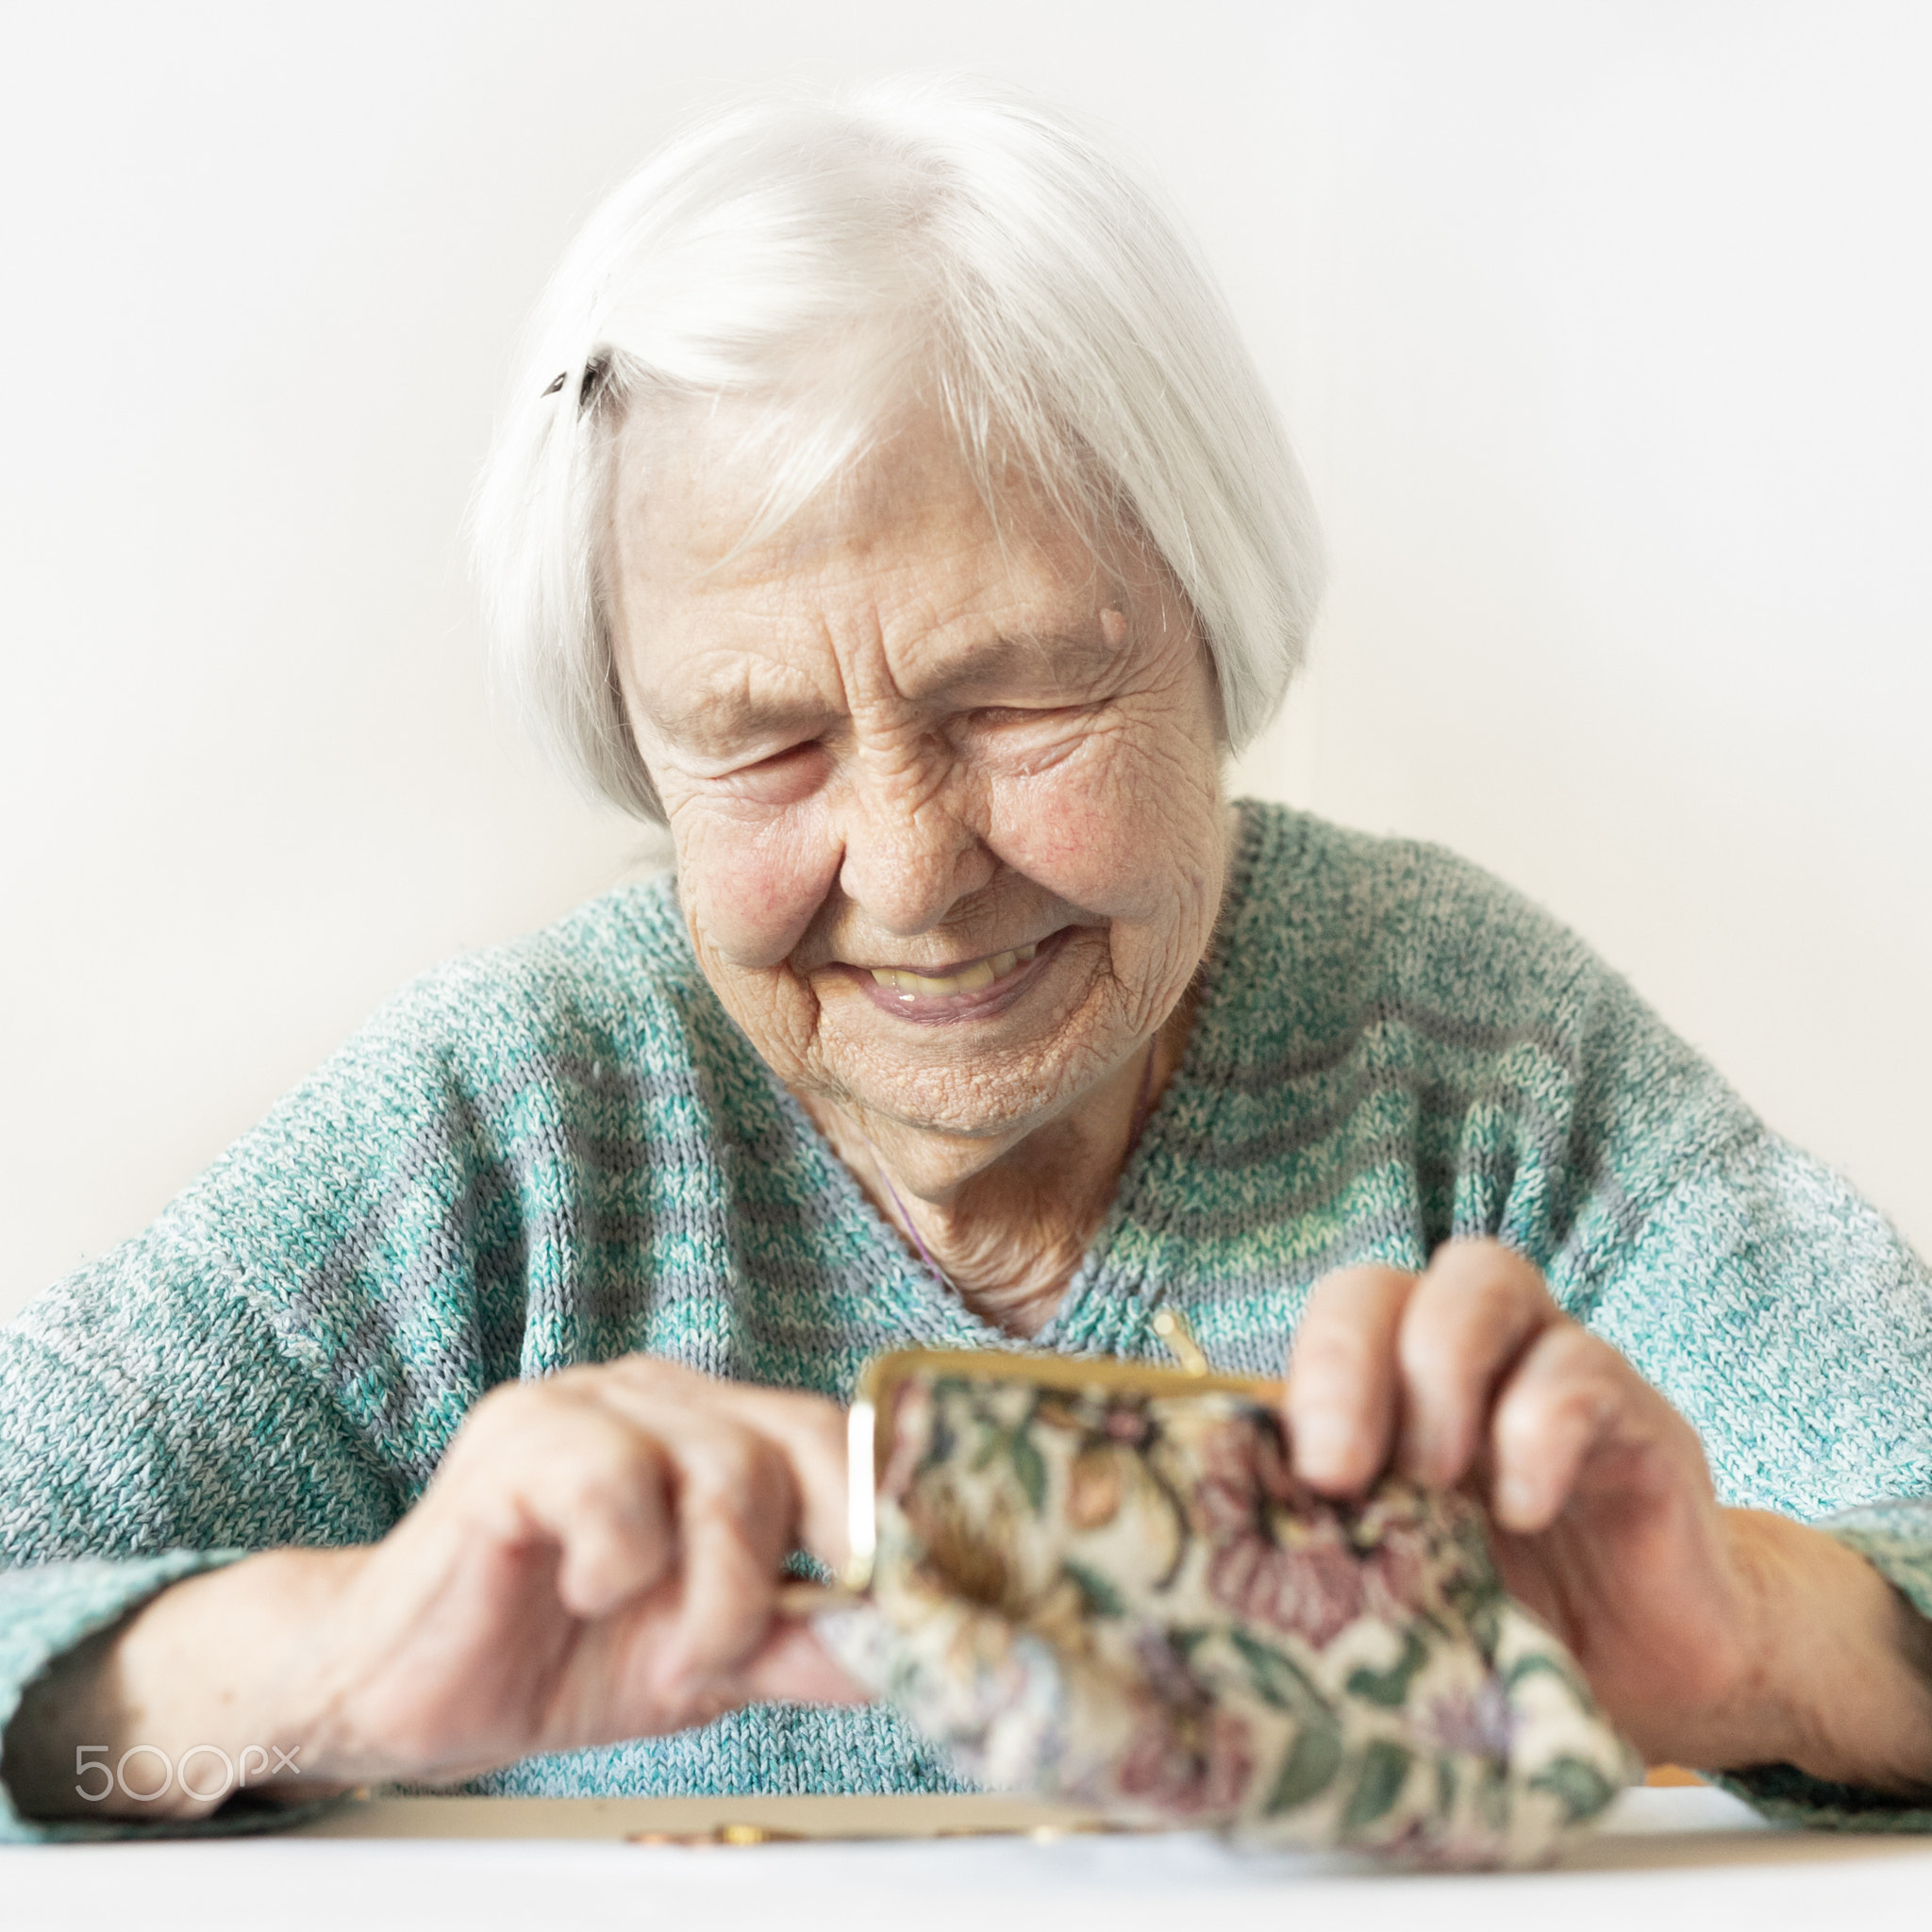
(1603, 329)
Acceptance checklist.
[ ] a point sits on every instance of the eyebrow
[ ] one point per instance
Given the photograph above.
(721, 713)
(726, 712)
(1074, 663)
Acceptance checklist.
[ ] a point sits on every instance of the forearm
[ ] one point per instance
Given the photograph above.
(201, 1685)
(1843, 1687)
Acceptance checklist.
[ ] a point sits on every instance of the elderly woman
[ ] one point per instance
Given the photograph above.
(890, 510)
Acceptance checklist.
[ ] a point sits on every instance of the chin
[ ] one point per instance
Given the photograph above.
(1004, 1094)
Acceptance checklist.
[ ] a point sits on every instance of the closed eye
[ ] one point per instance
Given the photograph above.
(1026, 741)
(997, 717)
(781, 777)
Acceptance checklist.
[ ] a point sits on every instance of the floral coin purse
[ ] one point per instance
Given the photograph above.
(1101, 1581)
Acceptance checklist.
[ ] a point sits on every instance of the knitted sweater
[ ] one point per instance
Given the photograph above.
(560, 1150)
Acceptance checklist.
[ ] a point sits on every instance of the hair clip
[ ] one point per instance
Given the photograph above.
(593, 373)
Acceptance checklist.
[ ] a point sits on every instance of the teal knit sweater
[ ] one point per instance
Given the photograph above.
(557, 1150)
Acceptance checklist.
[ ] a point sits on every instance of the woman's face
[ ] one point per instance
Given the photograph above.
(945, 795)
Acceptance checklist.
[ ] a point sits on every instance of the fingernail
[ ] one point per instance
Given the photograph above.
(1516, 1500)
(1323, 1444)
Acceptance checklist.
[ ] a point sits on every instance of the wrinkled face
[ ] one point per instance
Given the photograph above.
(945, 795)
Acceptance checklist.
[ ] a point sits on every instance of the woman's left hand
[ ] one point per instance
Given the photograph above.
(1712, 1637)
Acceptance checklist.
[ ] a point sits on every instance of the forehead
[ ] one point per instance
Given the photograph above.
(906, 546)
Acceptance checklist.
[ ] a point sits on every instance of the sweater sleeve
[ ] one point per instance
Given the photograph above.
(1780, 1313)
(152, 1426)
(282, 1359)
(279, 1361)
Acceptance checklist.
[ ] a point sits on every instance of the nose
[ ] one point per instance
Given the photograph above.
(911, 852)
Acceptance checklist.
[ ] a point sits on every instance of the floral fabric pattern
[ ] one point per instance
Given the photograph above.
(1128, 1599)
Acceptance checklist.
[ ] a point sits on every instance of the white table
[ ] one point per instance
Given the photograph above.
(1665, 1858)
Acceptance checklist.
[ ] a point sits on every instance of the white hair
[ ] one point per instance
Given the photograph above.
(830, 258)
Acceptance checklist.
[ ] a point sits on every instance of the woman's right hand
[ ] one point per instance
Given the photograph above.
(598, 1558)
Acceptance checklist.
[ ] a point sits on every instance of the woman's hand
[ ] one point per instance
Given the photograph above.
(598, 1558)
(1712, 1637)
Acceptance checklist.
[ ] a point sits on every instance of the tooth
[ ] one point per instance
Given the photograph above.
(968, 979)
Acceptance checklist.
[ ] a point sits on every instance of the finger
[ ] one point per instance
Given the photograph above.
(1477, 1306)
(1571, 1396)
(1341, 1381)
(793, 1665)
(736, 1506)
(809, 1432)
(550, 1466)
(745, 1462)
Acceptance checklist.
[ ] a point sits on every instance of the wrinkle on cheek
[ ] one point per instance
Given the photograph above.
(1131, 832)
(750, 893)
(1117, 829)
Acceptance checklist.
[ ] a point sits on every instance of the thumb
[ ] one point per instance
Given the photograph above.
(792, 1664)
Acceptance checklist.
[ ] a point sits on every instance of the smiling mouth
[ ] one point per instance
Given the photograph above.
(976, 978)
(981, 990)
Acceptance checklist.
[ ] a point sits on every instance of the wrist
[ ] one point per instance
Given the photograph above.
(230, 1659)
(1839, 1684)
(197, 1695)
